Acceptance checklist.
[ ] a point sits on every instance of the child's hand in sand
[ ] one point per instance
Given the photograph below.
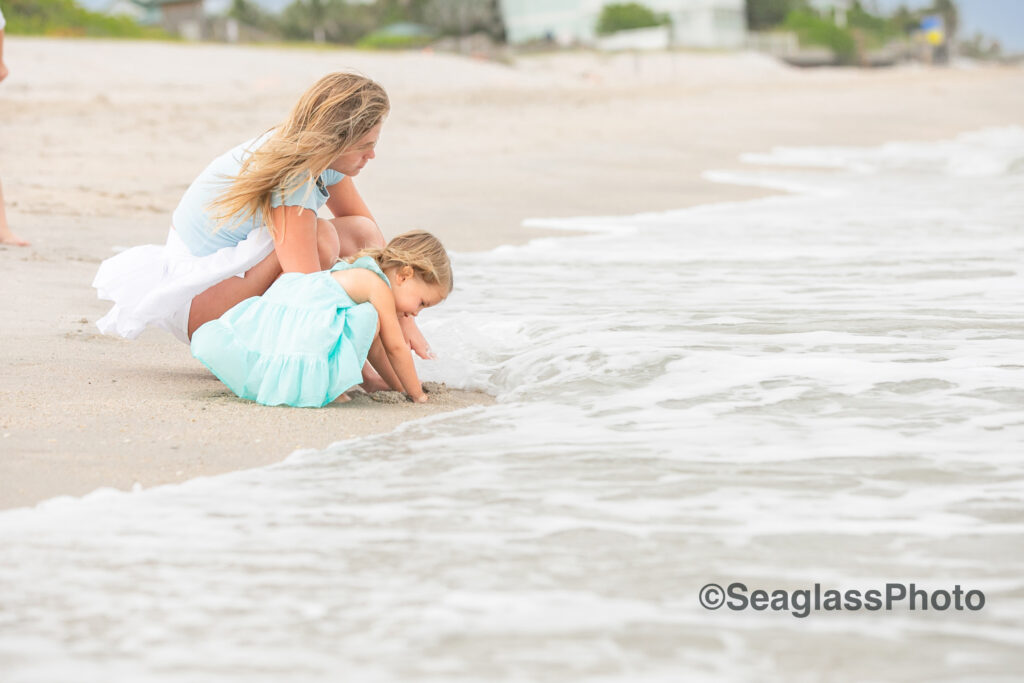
(3, 71)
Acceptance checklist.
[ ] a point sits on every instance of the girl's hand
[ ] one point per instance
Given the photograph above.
(414, 338)
(363, 285)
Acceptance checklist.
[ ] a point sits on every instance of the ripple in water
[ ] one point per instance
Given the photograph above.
(819, 387)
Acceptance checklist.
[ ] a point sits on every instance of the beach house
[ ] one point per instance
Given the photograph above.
(694, 23)
(144, 12)
(203, 20)
(186, 18)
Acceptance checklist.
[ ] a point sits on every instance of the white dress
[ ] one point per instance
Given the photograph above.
(153, 285)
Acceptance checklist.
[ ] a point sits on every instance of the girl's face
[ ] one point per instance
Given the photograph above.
(412, 294)
(351, 162)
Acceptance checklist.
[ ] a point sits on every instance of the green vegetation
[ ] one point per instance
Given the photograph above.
(251, 14)
(629, 15)
(812, 29)
(342, 21)
(385, 41)
(66, 18)
(323, 21)
(849, 35)
(768, 14)
(333, 21)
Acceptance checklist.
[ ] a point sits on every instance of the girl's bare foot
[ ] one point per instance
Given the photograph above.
(372, 385)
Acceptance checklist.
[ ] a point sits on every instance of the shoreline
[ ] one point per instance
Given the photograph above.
(469, 152)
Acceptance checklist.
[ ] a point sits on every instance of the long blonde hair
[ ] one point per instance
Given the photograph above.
(328, 120)
(419, 250)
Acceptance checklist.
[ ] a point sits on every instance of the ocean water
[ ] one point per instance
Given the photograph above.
(825, 386)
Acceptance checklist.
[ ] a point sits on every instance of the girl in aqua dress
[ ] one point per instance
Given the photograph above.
(305, 341)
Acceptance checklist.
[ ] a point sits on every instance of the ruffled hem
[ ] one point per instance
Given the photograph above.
(279, 355)
(154, 285)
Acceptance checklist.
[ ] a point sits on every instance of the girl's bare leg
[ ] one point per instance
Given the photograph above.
(372, 381)
(377, 359)
(6, 236)
(215, 301)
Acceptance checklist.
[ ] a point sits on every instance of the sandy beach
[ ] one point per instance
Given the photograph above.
(99, 139)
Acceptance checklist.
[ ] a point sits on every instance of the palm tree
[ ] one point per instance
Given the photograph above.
(948, 10)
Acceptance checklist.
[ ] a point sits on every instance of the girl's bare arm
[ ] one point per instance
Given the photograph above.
(379, 360)
(363, 285)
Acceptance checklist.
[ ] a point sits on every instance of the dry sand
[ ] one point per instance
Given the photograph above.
(99, 139)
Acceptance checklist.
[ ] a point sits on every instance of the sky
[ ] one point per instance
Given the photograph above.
(1000, 19)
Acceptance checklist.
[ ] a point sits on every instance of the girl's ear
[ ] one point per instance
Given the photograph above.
(405, 272)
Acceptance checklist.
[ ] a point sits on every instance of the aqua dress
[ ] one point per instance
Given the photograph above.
(302, 343)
